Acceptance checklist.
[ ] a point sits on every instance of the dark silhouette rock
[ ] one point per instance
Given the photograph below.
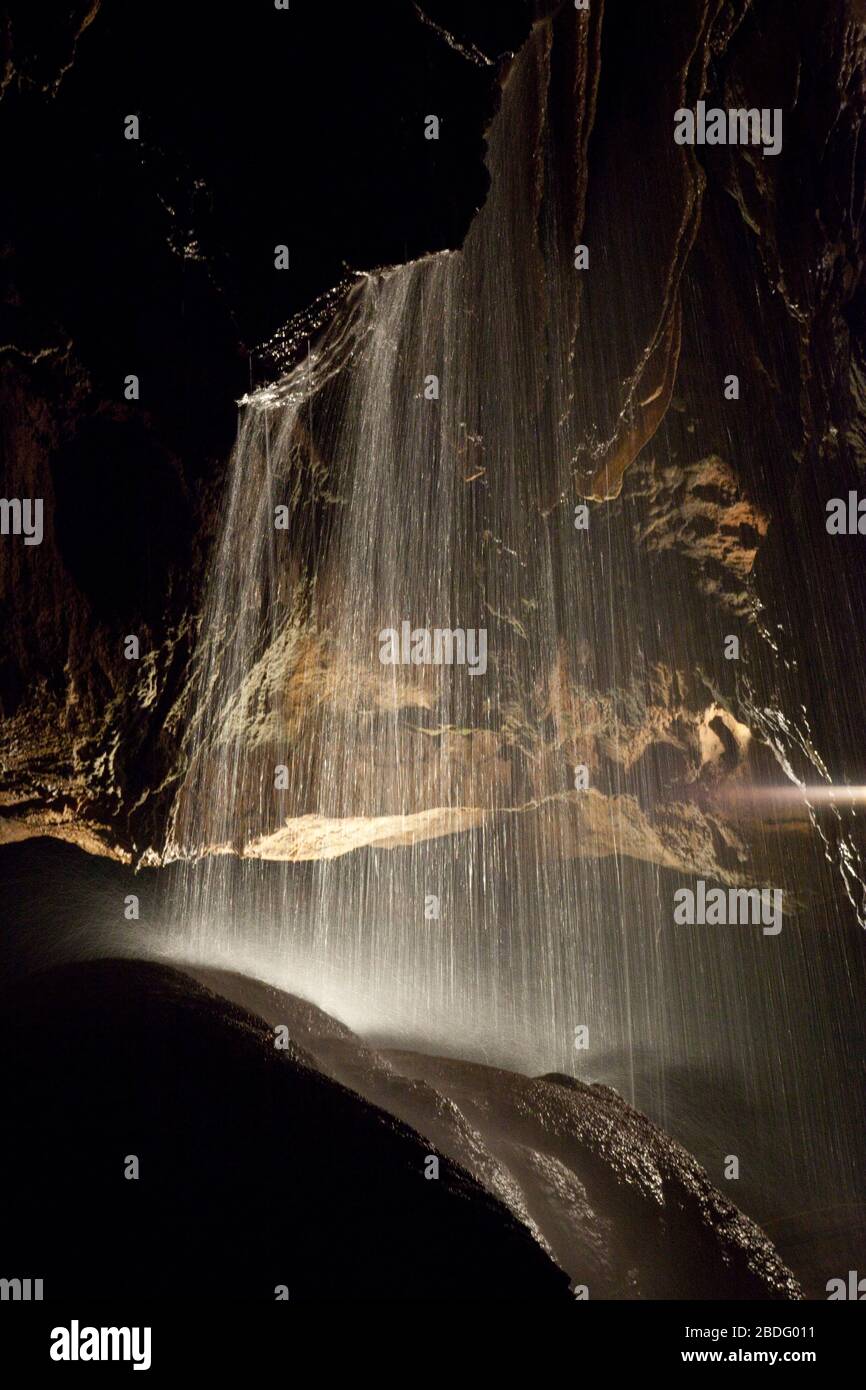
(255, 1169)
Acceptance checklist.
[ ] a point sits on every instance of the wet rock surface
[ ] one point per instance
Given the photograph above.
(255, 1169)
(305, 1166)
(622, 1208)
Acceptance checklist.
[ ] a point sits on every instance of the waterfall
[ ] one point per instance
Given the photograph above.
(428, 866)
(448, 513)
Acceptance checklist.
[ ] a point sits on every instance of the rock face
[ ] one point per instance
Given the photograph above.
(255, 1170)
(698, 511)
(740, 260)
(305, 1166)
(621, 1207)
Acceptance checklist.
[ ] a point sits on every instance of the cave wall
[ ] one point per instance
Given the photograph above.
(156, 257)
